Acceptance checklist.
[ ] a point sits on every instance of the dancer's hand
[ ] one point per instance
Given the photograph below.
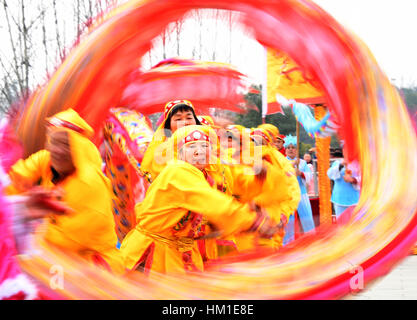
(283, 221)
(263, 224)
(41, 202)
(268, 229)
(349, 179)
(260, 172)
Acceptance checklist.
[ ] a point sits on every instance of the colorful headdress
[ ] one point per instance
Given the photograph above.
(193, 136)
(193, 133)
(236, 129)
(70, 119)
(206, 120)
(261, 133)
(281, 137)
(272, 130)
(83, 151)
(172, 104)
(290, 140)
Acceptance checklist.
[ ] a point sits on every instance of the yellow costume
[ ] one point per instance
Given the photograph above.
(280, 193)
(207, 121)
(270, 128)
(169, 219)
(159, 153)
(90, 229)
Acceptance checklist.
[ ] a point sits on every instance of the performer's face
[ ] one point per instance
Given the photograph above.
(182, 119)
(196, 153)
(291, 151)
(279, 143)
(307, 157)
(59, 147)
(257, 140)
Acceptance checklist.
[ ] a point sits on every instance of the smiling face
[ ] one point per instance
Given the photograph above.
(182, 118)
(196, 153)
(59, 147)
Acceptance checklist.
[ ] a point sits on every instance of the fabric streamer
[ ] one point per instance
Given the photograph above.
(176, 79)
(315, 128)
(126, 134)
(359, 96)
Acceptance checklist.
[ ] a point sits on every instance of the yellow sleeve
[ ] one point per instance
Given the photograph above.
(290, 195)
(156, 156)
(245, 184)
(26, 173)
(222, 176)
(193, 193)
(91, 225)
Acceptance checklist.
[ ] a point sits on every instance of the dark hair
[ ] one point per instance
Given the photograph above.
(177, 108)
(336, 152)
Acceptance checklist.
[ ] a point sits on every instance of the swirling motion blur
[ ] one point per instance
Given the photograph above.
(373, 123)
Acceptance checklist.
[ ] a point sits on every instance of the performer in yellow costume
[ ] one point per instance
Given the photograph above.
(279, 205)
(277, 138)
(177, 113)
(291, 197)
(70, 166)
(169, 219)
(272, 130)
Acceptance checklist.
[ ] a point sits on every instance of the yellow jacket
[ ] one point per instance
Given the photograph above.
(90, 229)
(165, 218)
(161, 150)
(156, 157)
(280, 194)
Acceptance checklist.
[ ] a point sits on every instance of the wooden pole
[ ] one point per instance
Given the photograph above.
(323, 164)
(298, 140)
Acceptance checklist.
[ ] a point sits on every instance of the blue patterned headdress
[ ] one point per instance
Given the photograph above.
(290, 140)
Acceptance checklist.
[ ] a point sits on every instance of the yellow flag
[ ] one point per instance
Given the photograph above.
(285, 77)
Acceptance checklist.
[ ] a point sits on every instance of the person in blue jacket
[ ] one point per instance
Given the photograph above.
(346, 177)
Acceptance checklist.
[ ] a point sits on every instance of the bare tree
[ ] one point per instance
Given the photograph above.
(77, 16)
(44, 41)
(59, 47)
(164, 38)
(19, 28)
(16, 64)
(230, 21)
(178, 28)
(38, 34)
(216, 20)
(199, 18)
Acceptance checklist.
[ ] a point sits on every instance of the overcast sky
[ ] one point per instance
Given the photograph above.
(388, 27)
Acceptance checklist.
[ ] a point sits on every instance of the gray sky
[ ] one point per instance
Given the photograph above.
(388, 27)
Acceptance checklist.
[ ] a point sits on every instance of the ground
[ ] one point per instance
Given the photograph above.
(399, 284)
